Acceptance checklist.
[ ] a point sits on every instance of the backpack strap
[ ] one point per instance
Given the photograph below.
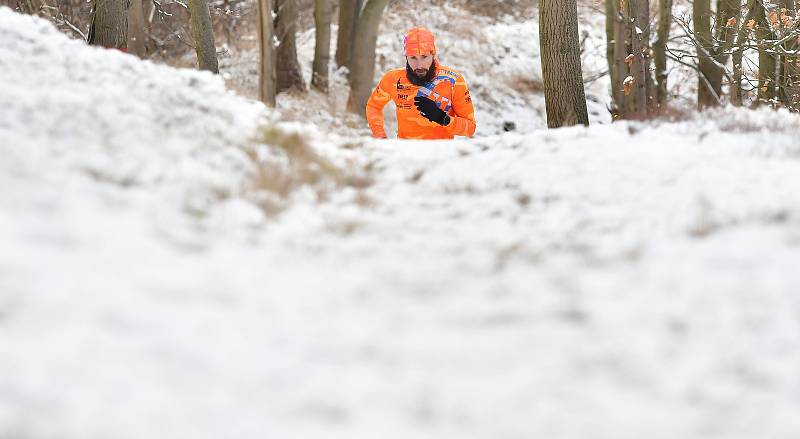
(427, 91)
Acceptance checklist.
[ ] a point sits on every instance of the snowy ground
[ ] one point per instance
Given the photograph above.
(175, 264)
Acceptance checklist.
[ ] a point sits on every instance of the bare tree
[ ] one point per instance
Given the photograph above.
(712, 52)
(611, 21)
(167, 23)
(727, 27)
(349, 11)
(322, 50)
(660, 50)
(752, 9)
(203, 36)
(362, 65)
(109, 25)
(34, 7)
(706, 90)
(767, 61)
(633, 88)
(645, 86)
(266, 64)
(768, 29)
(617, 36)
(789, 76)
(564, 95)
(137, 37)
(289, 74)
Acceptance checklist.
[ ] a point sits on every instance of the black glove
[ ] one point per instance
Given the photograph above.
(428, 109)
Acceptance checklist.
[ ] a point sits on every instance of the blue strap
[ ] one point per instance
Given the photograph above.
(427, 91)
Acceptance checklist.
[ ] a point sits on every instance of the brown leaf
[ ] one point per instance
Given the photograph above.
(751, 24)
(786, 19)
(731, 22)
(773, 18)
(765, 87)
(630, 59)
(627, 85)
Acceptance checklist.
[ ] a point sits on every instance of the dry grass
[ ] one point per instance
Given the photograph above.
(731, 119)
(525, 83)
(285, 162)
(501, 8)
(675, 113)
(771, 121)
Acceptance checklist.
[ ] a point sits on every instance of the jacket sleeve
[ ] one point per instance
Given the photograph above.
(463, 123)
(377, 100)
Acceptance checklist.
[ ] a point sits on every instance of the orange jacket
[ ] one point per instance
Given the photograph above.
(449, 90)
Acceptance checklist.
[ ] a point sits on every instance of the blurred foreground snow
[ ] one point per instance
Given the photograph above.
(620, 281)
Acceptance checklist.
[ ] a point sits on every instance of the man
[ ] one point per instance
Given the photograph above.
(432, 100)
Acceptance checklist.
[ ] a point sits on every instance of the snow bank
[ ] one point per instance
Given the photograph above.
(108, 116)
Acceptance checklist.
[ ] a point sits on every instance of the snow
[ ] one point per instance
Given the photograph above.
(618, 281)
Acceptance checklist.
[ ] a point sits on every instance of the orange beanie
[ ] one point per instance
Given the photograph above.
(419, 41)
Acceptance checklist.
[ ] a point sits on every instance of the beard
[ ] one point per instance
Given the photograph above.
(420, 77)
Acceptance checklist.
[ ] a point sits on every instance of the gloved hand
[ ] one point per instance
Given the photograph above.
(428, 109)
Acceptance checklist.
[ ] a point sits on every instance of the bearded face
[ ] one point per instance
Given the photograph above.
(421, 69)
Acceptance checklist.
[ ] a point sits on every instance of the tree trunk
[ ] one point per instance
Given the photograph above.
(229, 24)
(203, 36)
(638, 72)
(707, 95)
(362, 65)
(322, 49)
(611, 15)
(660, 50)
(622, 100)
(712, 52)
(725, 33)
(634, 89)
(645, 93)
(136, 29)
(564, 95)
(789, 71)
(611, 21)
(738, 54)
(109, 27)
(725, 37)
(149, 10)
(766, 61)
(349, 11)
(289, 74)
(266, 62)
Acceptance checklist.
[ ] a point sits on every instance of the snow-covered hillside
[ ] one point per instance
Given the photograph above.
(176, 263)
